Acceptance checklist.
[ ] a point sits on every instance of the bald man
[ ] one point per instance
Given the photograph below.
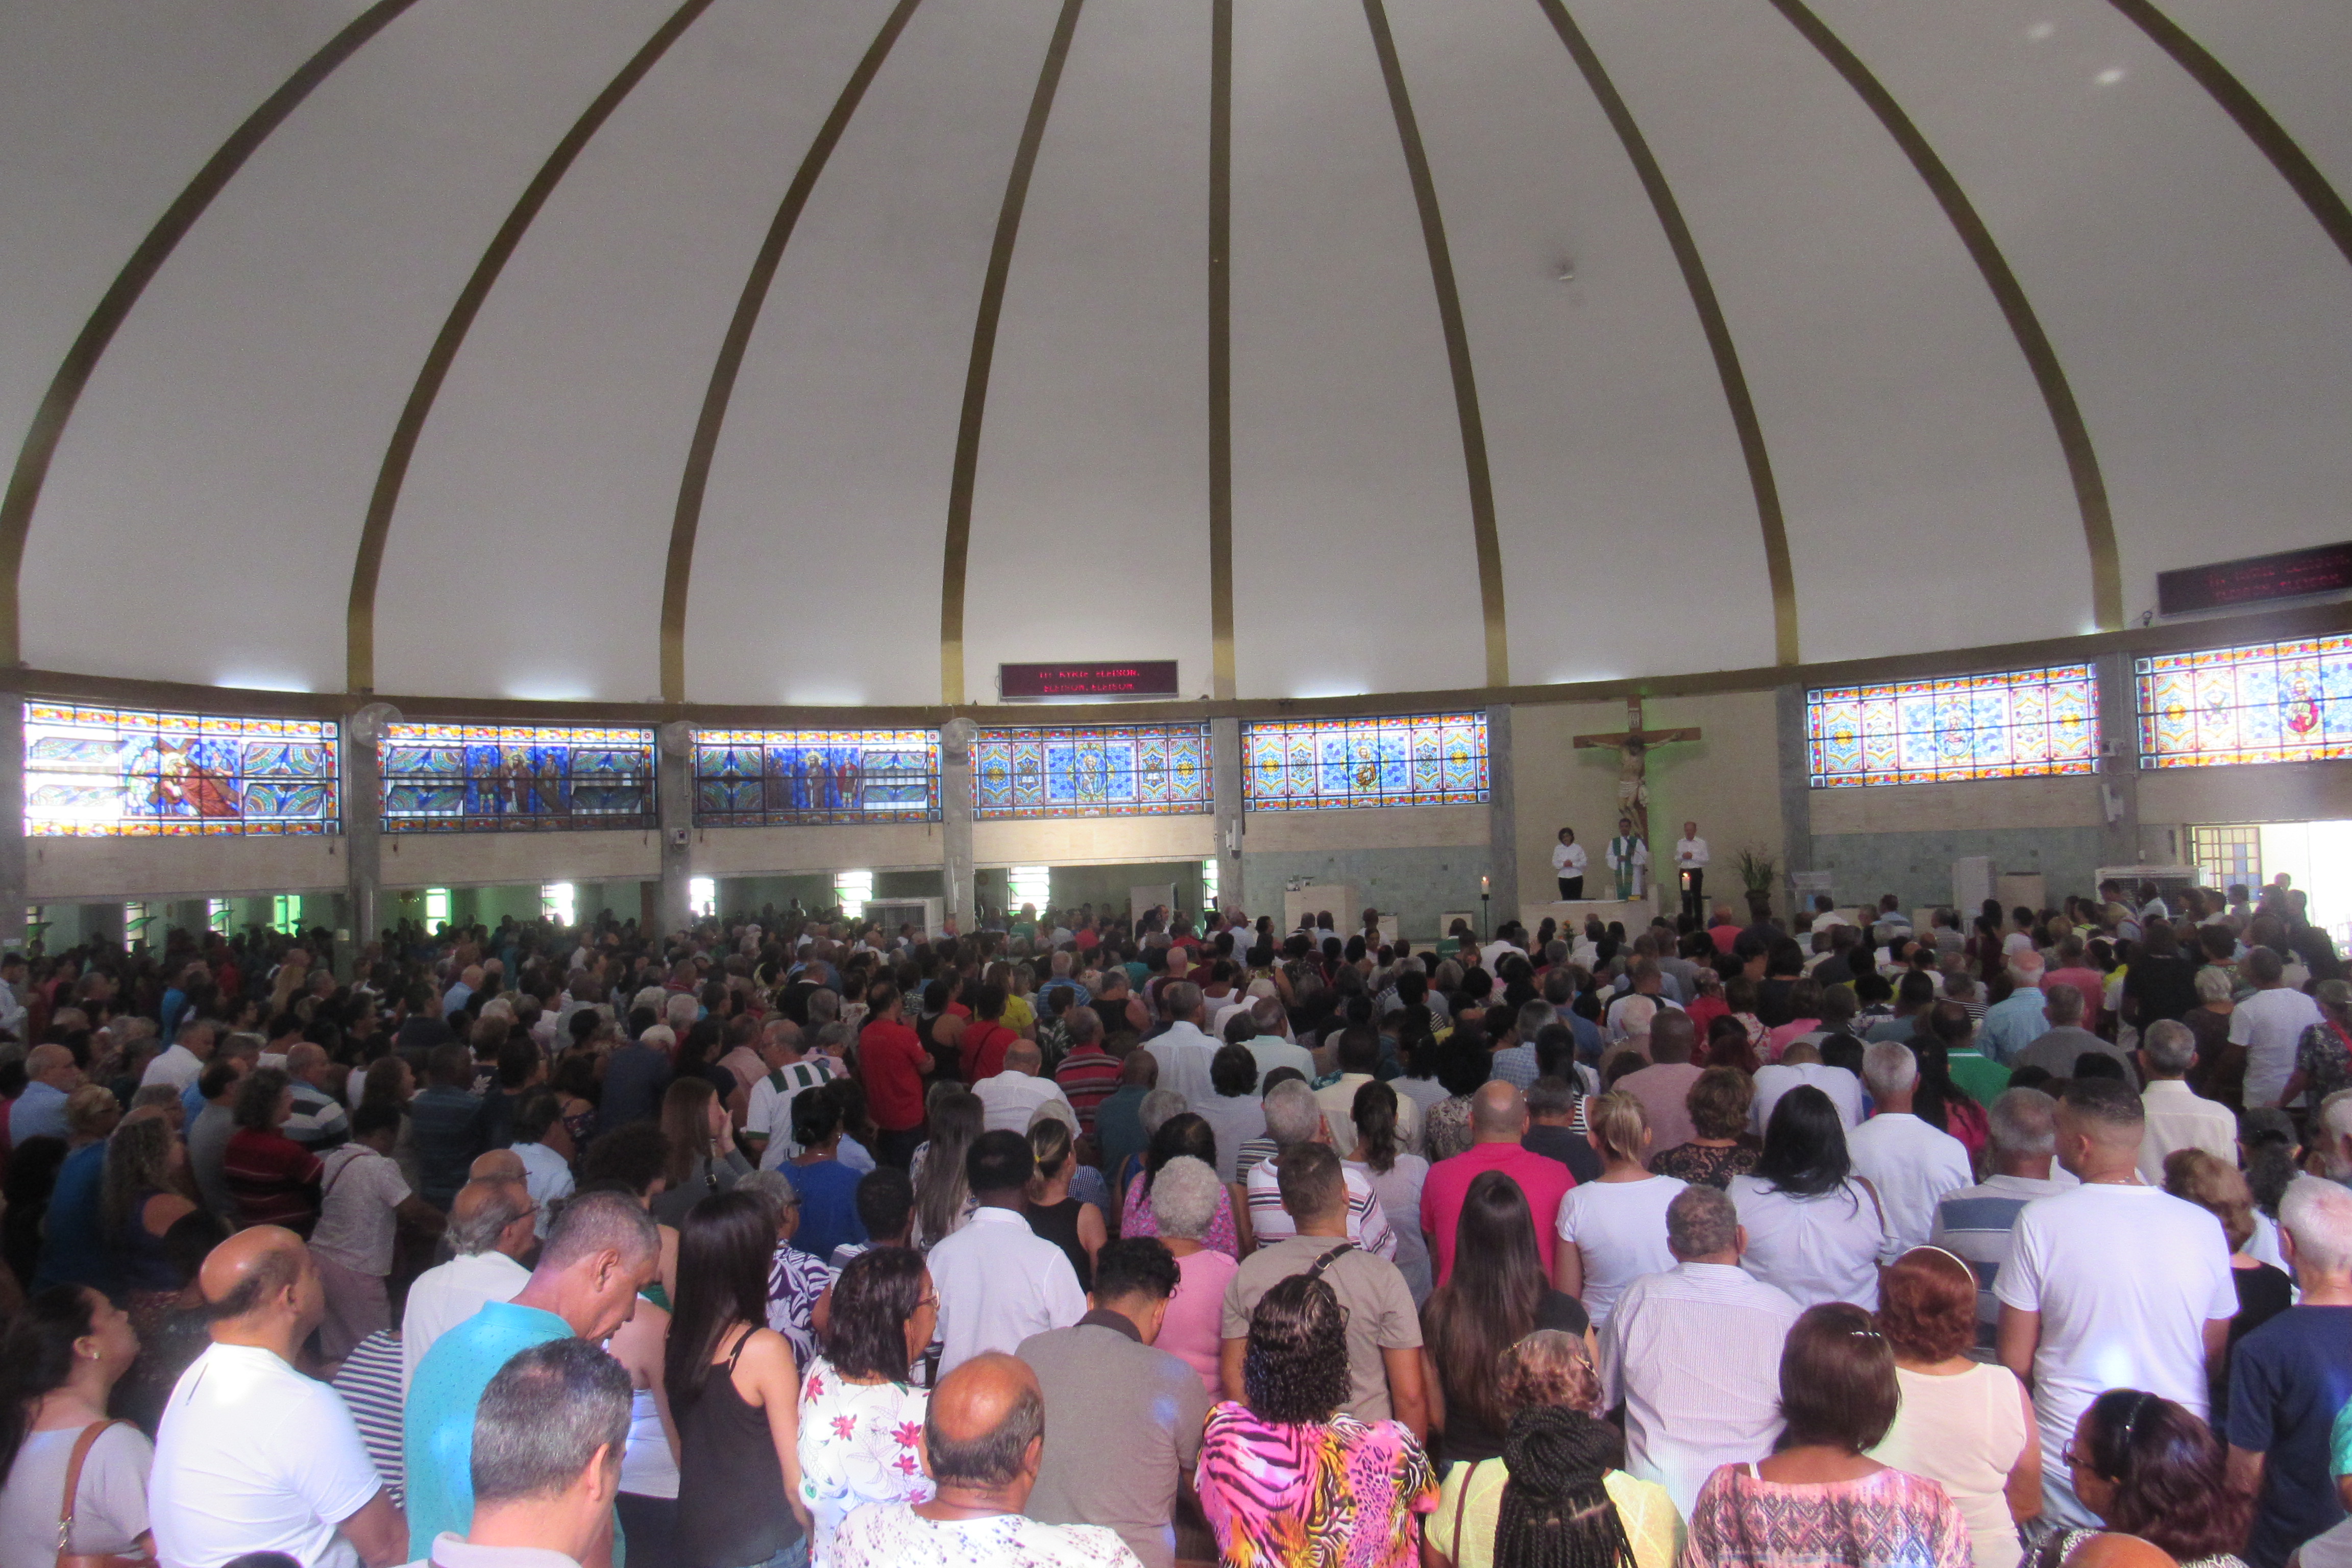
(983, 1437)
(40, 1111)
(1011, 1098)
(497, 1165)
(251, 1455)
(1498, 1120)
(492, 1228)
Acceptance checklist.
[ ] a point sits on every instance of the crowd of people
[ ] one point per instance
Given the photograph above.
(1082, 1239)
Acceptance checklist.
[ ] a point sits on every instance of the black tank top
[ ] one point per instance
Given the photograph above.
(1058, 1223)
(731, 1508)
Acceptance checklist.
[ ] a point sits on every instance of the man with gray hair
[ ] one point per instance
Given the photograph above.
(1974, 1223)
(1184, 1049)
(1914, 1165)
(1294, 1118)
(492, 1228)
(1693, 1353)
(2065, 1041)
(602, 1250)
(548, 1439)
(1011, 1098)
(2178, 1116)
(2291, 1378)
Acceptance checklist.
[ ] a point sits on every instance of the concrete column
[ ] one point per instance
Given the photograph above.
(1225, 790)
(1796, 796)
(1502, 820)
(956, 864)
(2119, 835)
(13, 891)
(363, 840)
(674, 798)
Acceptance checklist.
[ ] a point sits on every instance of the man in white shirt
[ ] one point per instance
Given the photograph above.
(546, 1172)
(998, 1281)
(1568, 862)
(1360, 1062)
(1690, 864)
(2270, 1025)
(2113, 1284)
(2178, 1117)
(184, 1062)
(1913, 1165)
(364, 1198)
(491, 1230)
(13, 1012)
(1693, 1353)
(1009, 1098)
(1183, 1049)
(251, 1455)
(1799, 1064)
(768, 1107)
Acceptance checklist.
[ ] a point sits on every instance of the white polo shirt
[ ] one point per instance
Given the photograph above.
(999, 1282)
(251, 1455)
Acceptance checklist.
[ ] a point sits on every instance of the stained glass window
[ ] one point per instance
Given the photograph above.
(479, 778)
(1309, 764)
(98, 771)
(1126, 770)
(2271, 702)
(2014, 723)
(748, 777)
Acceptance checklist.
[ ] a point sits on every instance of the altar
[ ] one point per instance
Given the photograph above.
(1635, 914)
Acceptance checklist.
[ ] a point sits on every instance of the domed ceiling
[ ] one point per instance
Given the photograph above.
(735, 352)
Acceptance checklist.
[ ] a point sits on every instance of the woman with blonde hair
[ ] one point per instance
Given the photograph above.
(141, 1199)
(2263, 1290)
(1071, 1224)
(1539, 1503)
(1613, 1229)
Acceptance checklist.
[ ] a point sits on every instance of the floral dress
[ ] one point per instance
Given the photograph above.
(2323, 1056)
(1888, 1520)
(856, 1446)
(1340, 1494)
(1136, 1219)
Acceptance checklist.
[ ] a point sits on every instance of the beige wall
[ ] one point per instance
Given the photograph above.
(765, 851)
(1092, 840)
(65, 870)
(1385, 828)
(2282, 792)
(1987, 802)
(1728, 780)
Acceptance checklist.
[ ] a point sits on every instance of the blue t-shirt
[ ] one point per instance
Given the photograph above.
(828, 1191)
(437, 1428)
(2288, 1380)
(73, 1245)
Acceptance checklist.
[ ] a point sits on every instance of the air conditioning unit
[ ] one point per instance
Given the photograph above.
(924, 914)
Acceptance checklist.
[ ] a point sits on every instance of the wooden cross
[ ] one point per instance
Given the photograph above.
(1633, 781)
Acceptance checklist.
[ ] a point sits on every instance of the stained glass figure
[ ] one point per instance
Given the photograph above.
(1313, 764)
(101, 771)
(489, 778)
(2015, 724)
(1126, 770)
(749, 778)
(2267, 703)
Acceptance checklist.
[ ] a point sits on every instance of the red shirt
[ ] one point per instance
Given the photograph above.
(1544, 1180)
(274, 1180)
(1723, 936)
(982, 1048)
(1087, 1075)
(2089, 981)
(890, 1060)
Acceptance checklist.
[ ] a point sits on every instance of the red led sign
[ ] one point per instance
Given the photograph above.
(1044, 682)
(2292, 574)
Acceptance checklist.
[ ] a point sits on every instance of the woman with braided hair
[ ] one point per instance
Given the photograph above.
(1555, 1498)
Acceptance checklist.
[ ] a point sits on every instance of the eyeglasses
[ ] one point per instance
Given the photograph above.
(931, 1301)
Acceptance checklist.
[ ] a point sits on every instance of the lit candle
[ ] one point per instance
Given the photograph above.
(1481, 886)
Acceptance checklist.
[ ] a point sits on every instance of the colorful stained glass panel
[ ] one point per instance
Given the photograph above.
(1127, 769)
(490, 778)
(749, 778)
(2267, 703)
(103, 772)
(2015, 724)
(1313, 764)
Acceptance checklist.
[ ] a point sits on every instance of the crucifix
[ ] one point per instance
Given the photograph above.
(1633, 781)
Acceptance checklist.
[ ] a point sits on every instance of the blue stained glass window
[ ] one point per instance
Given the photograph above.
(2266, 702)
(754, 777)
(488, 778)
(112, 772)
(1314, 765)
(1126, 770)
(2014, 723)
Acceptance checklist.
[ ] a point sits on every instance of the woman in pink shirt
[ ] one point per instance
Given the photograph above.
(1184, 1199)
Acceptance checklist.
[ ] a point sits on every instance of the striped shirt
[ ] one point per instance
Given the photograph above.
(768, 1112)
(1694, 1356)
(1975, 1224)
(1368, 1223)
(1087, 1075)
(369, 1381)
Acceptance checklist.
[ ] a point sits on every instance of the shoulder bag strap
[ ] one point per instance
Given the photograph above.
(1314, 1270)
(83, 1446)
(1462, 1505)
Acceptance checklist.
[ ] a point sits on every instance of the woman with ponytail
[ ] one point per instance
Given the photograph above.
(1555, 1498)
(60, 1360)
